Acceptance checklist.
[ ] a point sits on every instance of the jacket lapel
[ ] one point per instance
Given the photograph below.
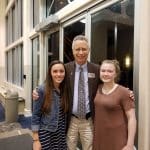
(89, 80)
(72, 77)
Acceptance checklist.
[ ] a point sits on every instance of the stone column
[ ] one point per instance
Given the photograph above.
(142, 71)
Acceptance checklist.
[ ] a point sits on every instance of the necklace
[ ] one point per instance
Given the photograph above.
(107, 91)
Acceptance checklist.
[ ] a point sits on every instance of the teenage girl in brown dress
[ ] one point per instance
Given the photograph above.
(115, 121)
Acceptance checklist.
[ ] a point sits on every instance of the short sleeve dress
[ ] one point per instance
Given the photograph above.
(110, 122)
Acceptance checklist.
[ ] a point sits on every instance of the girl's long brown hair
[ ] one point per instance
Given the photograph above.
(49, 86)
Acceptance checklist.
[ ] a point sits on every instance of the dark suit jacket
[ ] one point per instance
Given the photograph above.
(93, 81)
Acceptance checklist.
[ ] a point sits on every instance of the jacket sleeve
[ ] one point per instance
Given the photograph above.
(37, 113)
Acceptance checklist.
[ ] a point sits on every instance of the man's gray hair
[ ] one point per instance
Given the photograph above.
(80, 38)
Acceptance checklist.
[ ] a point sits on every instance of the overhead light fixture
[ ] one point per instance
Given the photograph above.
(127, 61)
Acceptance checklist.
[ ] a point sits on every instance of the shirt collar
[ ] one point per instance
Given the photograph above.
(84, 66)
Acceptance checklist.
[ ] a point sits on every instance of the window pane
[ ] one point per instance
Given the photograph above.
(14, 22)
(53, 47)
(35, 12)
(9, 66)
(21, 65)
(53, 6)
(35, 62)
(112, 37)
(20, 18)
(15, 65)
(10, 26)
(7, 29)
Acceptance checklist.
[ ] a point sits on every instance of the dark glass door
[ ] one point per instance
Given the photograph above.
(70, 32)
(112, 31)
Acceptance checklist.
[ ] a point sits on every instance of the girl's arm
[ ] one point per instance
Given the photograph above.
(36, 141)
(131, 129)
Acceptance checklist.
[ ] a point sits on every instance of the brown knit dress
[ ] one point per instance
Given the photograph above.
(110, 123)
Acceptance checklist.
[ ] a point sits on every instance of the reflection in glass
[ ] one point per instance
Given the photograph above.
(52, 6)
(35, 62)
(112, 37)
(36, 9)
(53, 47)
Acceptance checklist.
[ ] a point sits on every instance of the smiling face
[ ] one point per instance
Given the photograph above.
(108, 73)
(80, 51)
(57, 74)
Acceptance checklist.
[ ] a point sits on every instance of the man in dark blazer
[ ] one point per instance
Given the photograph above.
(81, 128)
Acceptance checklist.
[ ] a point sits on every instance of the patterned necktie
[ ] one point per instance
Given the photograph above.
(81, 95)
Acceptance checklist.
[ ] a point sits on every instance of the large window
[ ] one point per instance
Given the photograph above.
(112, 37)
(14, 63)
(14, 22)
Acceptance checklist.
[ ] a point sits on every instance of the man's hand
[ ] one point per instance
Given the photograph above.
(132, 95)
(35, 95)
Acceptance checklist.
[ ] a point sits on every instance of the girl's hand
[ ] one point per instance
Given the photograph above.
(132, 95)
(36, 145)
